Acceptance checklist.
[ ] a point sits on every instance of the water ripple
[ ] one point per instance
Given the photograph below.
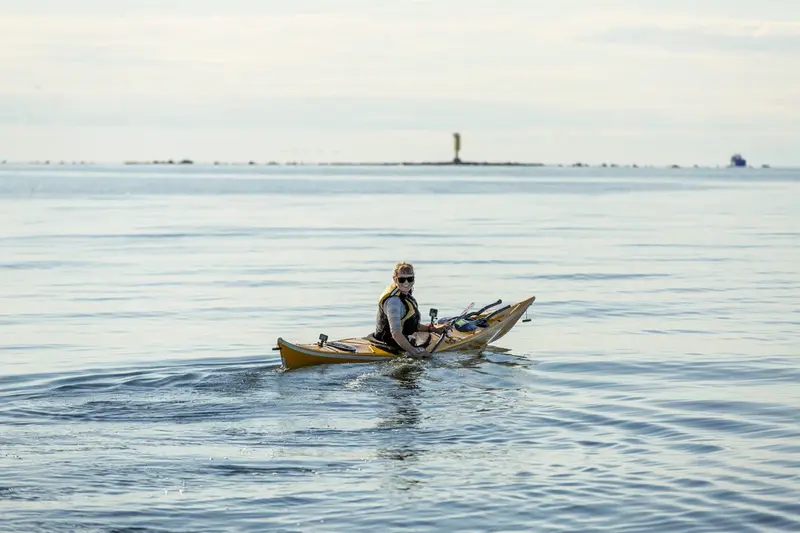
(654, 390)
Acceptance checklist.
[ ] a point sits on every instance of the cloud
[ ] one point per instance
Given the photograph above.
(728, 37)
(276, 70)
(286, 55)
(357, 66)
(348, 54)
(374, 114)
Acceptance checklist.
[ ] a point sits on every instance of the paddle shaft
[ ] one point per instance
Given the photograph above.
(482, 309)
(452, 321)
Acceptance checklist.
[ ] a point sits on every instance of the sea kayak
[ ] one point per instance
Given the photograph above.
(482, 329)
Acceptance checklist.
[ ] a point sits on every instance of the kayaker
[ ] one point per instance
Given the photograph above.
(398, 314)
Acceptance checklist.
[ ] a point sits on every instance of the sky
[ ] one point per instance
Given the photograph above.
(617, 81)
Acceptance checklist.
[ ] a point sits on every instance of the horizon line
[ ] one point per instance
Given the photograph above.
(445, 163)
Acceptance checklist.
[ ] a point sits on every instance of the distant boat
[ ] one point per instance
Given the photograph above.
(738, 161)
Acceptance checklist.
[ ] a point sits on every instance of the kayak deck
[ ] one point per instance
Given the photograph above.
(363, 350)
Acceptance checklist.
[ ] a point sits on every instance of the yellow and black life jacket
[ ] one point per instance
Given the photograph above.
(409, 322)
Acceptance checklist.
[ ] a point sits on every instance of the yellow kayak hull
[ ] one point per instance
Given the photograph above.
(361, 350)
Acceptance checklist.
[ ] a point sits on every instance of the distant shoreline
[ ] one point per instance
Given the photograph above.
(189, 162)
(350, 163)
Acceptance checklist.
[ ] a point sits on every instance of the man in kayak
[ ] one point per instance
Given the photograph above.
(398, 314)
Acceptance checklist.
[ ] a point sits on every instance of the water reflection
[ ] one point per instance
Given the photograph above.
(402, 394)
(402, 415)
(401, 423)
(495, 355)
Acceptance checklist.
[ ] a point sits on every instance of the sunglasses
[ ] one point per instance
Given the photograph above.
(403, 279)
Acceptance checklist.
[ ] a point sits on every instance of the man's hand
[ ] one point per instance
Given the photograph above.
(419, 353)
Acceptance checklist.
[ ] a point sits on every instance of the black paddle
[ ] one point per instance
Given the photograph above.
(482, 309)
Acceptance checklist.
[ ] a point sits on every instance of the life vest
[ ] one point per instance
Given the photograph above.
(409, 322)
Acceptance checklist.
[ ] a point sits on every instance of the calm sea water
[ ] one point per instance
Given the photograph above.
(657, 387)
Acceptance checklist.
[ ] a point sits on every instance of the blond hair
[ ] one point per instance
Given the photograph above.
(402, 267)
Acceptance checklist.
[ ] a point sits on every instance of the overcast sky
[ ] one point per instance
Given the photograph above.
(626, 81)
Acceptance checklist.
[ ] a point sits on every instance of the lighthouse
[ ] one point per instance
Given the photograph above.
(456, 147)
